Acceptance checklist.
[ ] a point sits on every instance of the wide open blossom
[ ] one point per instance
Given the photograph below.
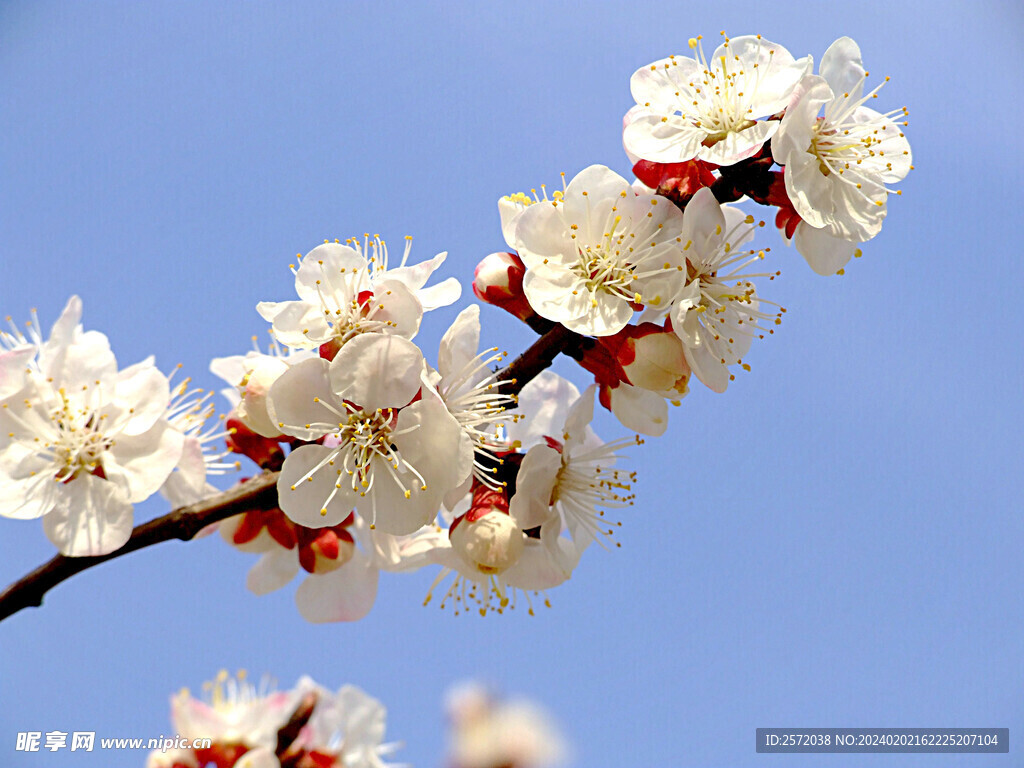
(840, 155)
(80, 441)
(571, 477)
(470, 391)
(188, 412)
(347, 290)
(709, 108)
(718, 313)
(600, 252)
(383, 448)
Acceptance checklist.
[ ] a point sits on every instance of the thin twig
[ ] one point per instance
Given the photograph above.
(184, 523)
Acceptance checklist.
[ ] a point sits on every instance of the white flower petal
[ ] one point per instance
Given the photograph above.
(346, 594)
(91, 517)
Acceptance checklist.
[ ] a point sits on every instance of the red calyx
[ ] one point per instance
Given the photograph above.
(676, 181)
(263, 450)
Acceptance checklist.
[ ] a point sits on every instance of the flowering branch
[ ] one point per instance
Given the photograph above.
(258, 493)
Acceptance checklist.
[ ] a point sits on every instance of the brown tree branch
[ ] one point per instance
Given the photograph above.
(257, 493)
(184, 523)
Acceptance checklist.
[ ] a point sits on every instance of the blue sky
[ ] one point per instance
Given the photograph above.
(836, 541)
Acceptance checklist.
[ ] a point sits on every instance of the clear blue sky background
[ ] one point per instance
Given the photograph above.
(835, 541)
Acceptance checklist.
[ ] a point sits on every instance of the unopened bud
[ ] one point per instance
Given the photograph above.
(322, 550)
(265, 451)
(498, 280)
(651, 357)
(491, 542)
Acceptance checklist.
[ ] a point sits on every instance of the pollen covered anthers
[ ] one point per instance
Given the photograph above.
(487, 594)
(191, 413)
(341, 296)
(568, 483)
(587, 485)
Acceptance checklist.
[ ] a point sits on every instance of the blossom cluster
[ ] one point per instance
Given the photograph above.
(394, 464)
(252, 725)
(388, 462)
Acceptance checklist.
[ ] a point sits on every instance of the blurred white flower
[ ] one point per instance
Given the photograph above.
(488, 733)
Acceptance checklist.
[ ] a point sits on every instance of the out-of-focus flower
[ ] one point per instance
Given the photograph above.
(488, 733)
(346, 730)
(709, 108)
(80, 441)
(599, 252)
(244, 726)
(236, 715)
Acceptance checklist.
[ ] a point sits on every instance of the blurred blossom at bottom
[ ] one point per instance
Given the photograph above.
(488, 732)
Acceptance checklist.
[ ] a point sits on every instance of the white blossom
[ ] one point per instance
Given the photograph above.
(391, 458)
(347, 290)
(840, 155)
(571, 478)
(718, 313)
(486, 733)
(234, 711)
(347, 725)
(598, 252)
(709, 108)
(471, 392)
(80, 441)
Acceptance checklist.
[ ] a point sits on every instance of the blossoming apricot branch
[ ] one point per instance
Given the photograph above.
(382, 461)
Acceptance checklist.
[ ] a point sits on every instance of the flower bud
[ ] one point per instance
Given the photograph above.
(322, 550)
(259, 530)
(498, 280)
(487, 538)
(264, 451)
(650, 357)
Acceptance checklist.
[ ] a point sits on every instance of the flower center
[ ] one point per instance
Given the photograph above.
(602, 266)
(79, 442)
